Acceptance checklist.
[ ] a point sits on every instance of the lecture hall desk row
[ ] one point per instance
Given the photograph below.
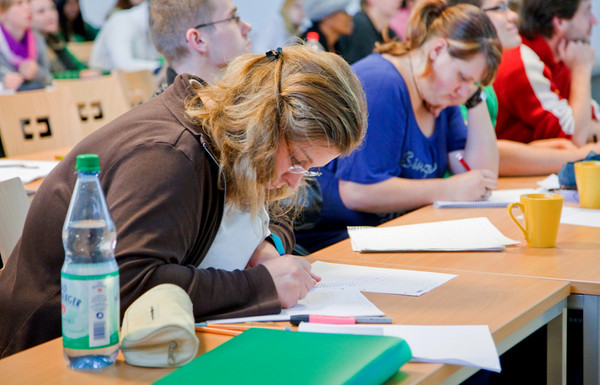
(512, 306)
(575, 259)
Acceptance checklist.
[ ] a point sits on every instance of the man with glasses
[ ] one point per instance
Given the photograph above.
(544, 85)
(197, 36)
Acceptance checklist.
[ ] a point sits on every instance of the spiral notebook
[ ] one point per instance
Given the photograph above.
(499, 198)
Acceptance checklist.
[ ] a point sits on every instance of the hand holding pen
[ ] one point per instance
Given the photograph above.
(474, 184)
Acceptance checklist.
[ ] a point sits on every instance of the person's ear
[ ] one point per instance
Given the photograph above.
(437, 47)
(196, 40)
(560, 25)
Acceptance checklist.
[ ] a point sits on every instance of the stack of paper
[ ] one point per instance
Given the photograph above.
(499, 198)
(468, 345)
(27, 170)
(472, 234)
(339, 292)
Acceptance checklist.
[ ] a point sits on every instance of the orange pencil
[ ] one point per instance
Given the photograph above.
(244, 327)
(213, 330)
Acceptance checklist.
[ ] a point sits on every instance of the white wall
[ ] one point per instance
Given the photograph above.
(94, 11)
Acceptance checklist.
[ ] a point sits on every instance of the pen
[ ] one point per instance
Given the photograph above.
(463, 161)
(336, 320)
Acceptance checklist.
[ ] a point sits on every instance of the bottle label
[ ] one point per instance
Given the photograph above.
(90, 310)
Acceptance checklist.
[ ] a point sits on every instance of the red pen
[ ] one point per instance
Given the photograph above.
(463, 161)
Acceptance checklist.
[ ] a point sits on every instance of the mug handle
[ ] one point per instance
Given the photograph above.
(520, 206)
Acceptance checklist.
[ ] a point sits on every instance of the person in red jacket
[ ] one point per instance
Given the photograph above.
(543, 85)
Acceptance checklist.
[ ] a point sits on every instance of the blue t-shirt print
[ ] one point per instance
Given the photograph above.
(411, 162)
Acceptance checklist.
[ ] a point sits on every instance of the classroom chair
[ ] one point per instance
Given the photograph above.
(139, 86)
(98, 100)
(14, 205)
(39, 120)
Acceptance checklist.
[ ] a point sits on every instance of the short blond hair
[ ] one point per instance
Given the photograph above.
(301, 96)
(169, 20)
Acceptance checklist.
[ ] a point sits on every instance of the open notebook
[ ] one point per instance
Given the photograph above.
(471, 234)
(498, 198)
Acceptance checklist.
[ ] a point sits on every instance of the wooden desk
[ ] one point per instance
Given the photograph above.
(513, 307)
(574, 259)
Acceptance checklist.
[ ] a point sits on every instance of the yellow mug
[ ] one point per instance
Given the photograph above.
(587, 176)
(542, 217)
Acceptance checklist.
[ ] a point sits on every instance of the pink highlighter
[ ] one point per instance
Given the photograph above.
(337, 320)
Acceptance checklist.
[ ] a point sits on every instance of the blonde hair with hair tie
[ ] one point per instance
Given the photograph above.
(299, 95)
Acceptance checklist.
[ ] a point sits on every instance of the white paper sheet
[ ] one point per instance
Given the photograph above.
(27, 170)
(550, 183)
(472, 234)
(378, 280)
(468, 345)
(499, 198)
(579, 216)
(338, 301)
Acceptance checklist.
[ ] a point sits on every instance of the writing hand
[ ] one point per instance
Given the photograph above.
(292, 278)
(473, 185)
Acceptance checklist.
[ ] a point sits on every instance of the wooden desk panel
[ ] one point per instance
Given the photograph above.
(506, 304)
(575, 258)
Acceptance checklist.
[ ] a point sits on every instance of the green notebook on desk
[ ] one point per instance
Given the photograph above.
(267, 356)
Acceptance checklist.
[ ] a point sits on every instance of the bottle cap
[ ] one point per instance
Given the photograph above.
(312, 36)
(87, 162)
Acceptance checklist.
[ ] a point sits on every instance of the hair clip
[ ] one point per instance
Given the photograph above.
(274, 53)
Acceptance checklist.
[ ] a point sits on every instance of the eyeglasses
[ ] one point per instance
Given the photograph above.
(502, 7)
(299, 170)
(236, 18)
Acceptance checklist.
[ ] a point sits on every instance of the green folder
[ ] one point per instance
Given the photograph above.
(268, 356)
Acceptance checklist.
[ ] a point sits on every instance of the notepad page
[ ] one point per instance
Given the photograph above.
(338, 301)
(498, 198)
(378, 279)
(579, 216)
(472, 234)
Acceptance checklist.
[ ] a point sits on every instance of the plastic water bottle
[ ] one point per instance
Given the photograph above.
(90, 274)
(312, 41)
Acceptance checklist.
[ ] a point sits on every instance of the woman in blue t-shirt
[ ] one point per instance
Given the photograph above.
(416, 132)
